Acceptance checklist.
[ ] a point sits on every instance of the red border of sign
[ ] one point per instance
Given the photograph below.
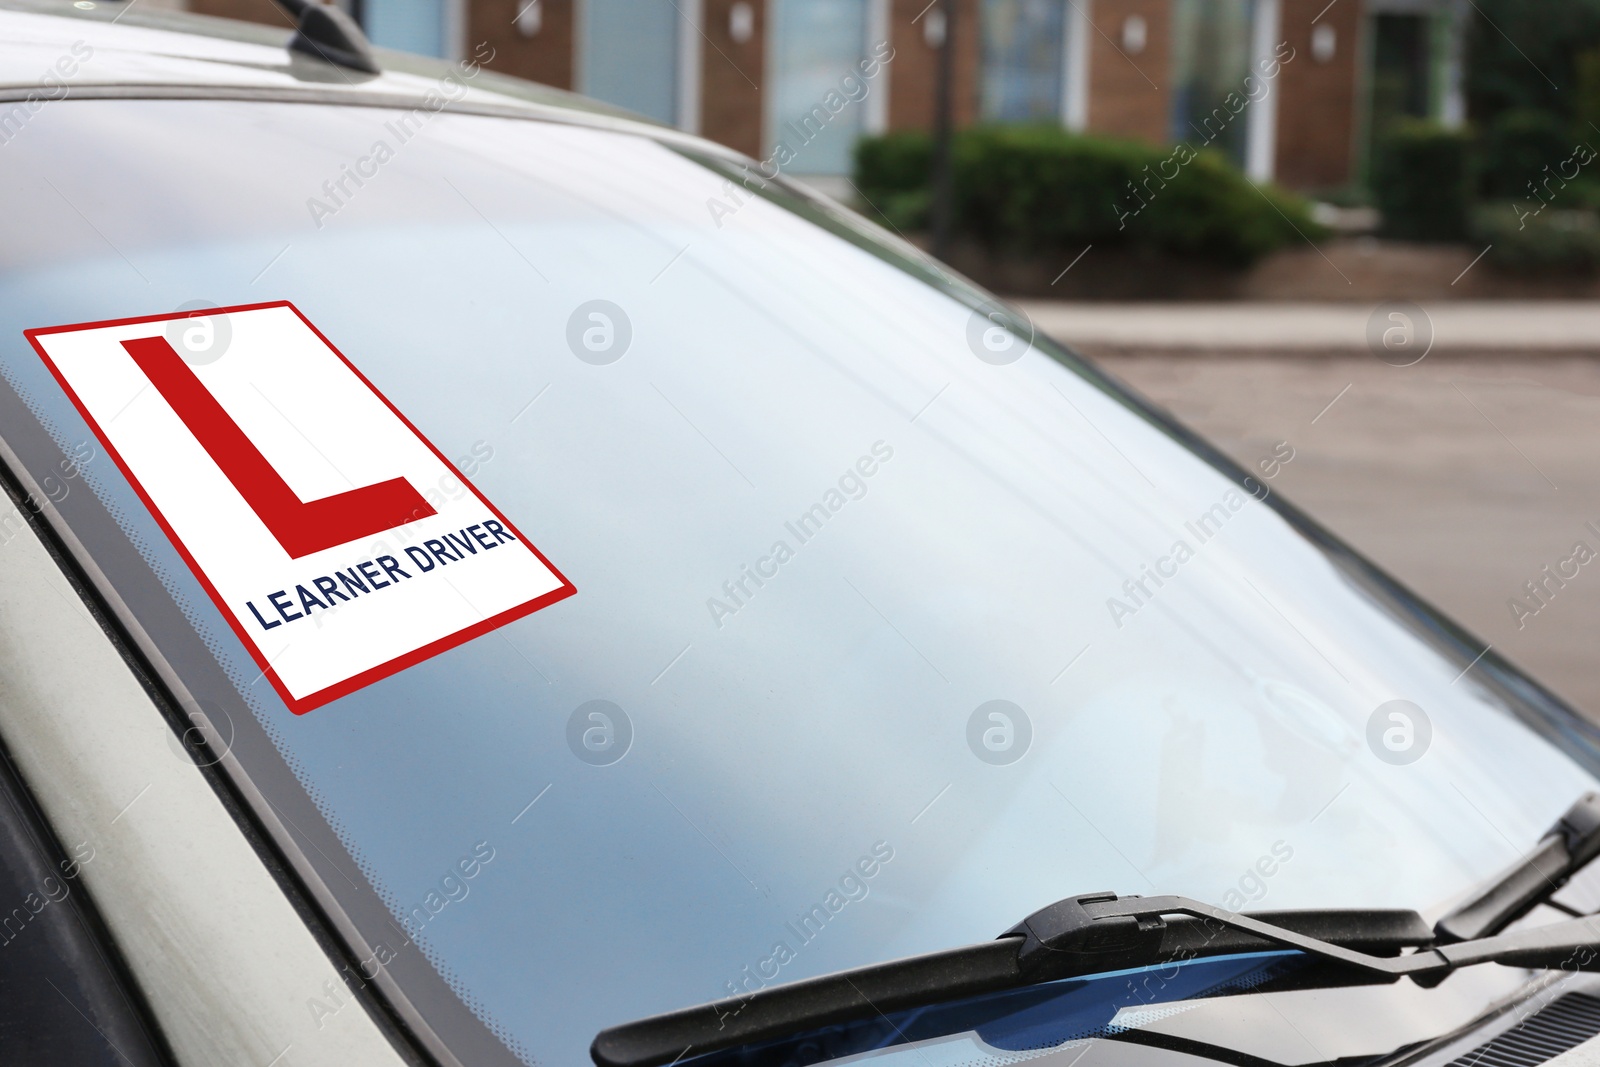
(372, 674)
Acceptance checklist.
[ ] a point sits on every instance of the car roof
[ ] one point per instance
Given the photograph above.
(115, 49)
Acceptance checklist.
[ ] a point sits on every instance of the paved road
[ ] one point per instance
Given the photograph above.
(1461, 476)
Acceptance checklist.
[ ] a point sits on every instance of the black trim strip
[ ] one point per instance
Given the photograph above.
(67, 938)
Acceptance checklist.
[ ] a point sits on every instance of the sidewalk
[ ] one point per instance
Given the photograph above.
(1510, 329)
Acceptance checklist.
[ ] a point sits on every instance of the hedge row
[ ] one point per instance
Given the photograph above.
(1540, 217)
(1041, 189)
(1422, 181)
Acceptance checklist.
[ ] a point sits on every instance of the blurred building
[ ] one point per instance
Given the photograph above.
(1291, 89)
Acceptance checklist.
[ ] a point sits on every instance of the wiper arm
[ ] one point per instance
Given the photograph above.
(1571, 843)
(1101, 932)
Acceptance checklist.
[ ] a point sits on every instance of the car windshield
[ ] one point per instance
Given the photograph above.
(890, 627)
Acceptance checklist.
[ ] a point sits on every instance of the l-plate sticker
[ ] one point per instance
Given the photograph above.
(303, 501)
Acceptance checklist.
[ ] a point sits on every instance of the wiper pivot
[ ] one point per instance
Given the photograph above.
(1565, 848)
(1099, 932)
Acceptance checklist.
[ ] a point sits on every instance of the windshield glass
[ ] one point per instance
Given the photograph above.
(889, 628)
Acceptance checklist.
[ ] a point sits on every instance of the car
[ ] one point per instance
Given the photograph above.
(490, 580)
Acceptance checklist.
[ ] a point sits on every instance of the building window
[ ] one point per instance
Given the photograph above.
(1211, 46)
(815, 46)
(630, 53)
(407, 25)
(1024, 55)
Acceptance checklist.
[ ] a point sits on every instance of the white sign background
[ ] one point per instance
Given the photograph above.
(326, 431)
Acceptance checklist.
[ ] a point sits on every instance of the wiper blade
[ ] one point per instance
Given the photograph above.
(1101, 932)
(1079, 936)
(1568, 845)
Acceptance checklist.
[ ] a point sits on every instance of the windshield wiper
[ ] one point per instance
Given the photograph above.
(1101, 932)
(1078, 936)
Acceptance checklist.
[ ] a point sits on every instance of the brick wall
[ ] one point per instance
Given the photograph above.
(1128, 94)
(1317, 101)
(545, 57)
(264, 11)
(731, 73)
(913, 75)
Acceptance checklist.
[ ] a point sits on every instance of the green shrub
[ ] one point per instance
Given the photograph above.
(907, 212)
(1036, 188)
(1517, 147)
(1582, 192)
(895, 163)
(1586, 94)
(1211, 211)
(1422, 181)
(1555, 241)
(1041, 189)
(891, 174)
(1353, 195)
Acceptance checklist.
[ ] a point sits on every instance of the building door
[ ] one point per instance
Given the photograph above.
(1416, 67)
(813, 117)
(1400, 69)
